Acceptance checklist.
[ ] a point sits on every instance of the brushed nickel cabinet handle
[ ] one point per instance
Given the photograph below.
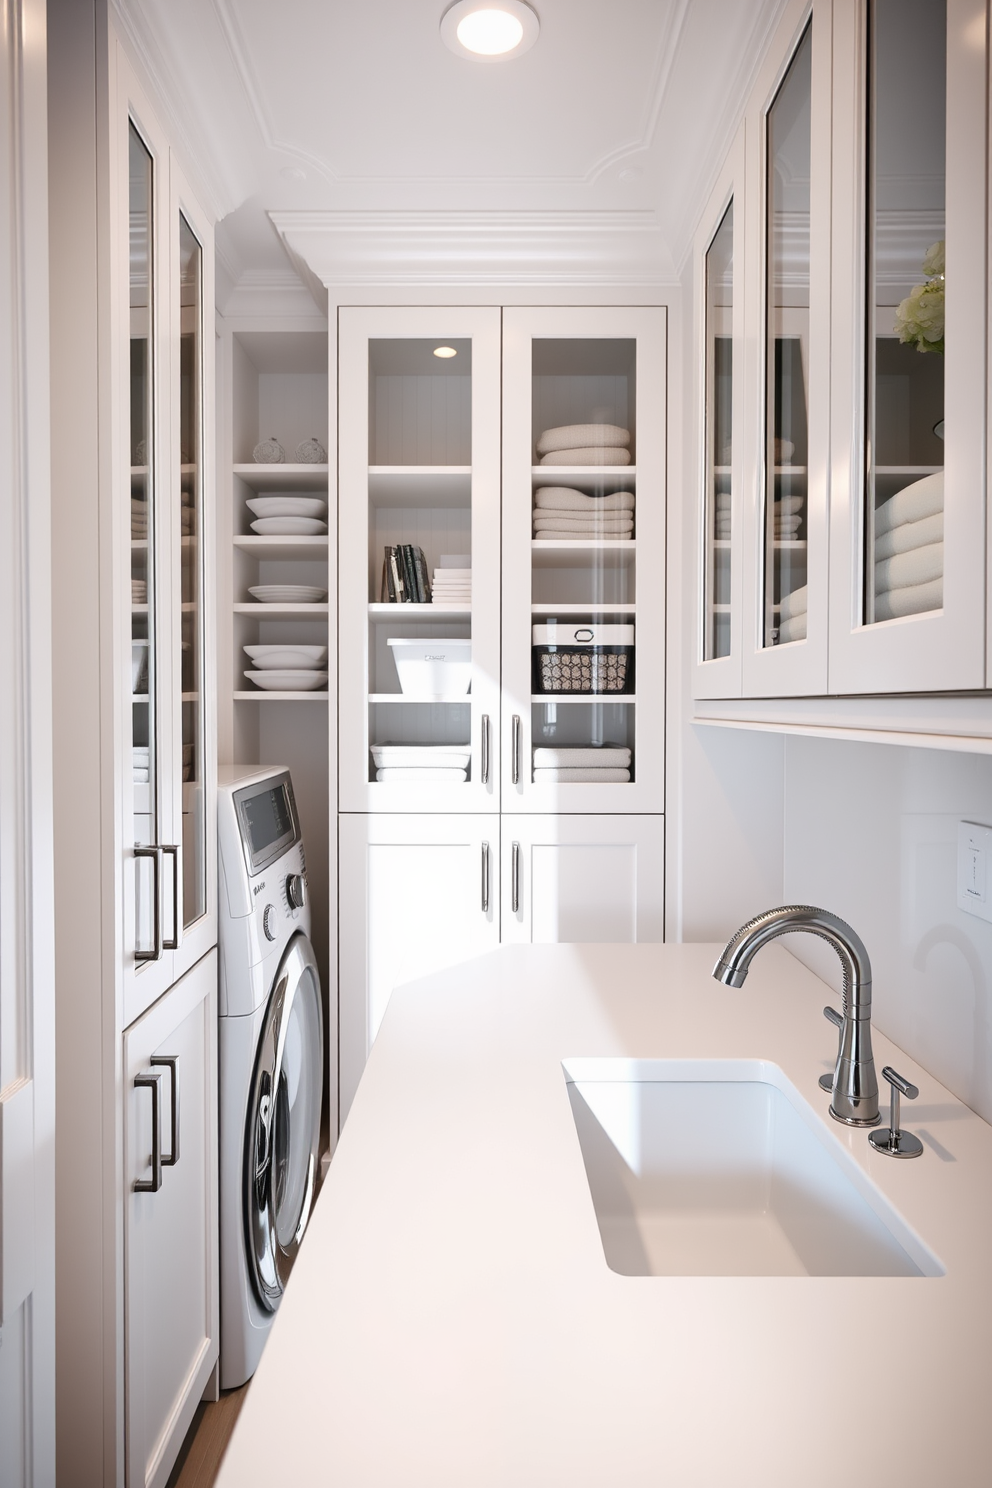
(171, 1063)
(177, 909)
(485, 749)
(152, 1080)
(158, 946)
(485, 878)
(515, 750)
(515, 877)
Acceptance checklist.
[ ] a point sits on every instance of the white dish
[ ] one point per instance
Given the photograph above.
(287, 506)
(288, 681)
(287, 658)
(288, 527)
(287, 594)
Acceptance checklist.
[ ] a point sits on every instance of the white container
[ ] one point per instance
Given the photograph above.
(432, 668)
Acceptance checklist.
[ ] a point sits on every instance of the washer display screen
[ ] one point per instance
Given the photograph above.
(268, 822)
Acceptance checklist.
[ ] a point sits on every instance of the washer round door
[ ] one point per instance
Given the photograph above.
(283, 1135)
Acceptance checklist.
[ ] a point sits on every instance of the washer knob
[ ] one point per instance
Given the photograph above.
(296, 890)
(269, 921)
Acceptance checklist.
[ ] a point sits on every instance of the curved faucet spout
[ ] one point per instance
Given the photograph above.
(854, 1097)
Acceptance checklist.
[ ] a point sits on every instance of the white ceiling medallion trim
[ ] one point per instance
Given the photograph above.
(668, 50)
(477, 248)
(451, 25)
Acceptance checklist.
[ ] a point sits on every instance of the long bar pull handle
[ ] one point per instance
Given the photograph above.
(485, 748)
(171, 1063)
(152, 1079)
(158, 946)
(177, 909)
(515, 749)
(515, 877)
(485, 878)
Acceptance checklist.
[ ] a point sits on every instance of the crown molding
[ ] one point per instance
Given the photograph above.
(478, 247)
(266, 292)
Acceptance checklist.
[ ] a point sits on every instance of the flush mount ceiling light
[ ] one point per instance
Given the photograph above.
(489, 32)
(445, 351)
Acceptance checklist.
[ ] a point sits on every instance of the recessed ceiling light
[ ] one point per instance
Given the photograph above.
(489, 32)
(445, 351)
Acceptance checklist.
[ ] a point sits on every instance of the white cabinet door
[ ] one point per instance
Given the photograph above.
(418, 893)
(583, 878)
(170, 1174)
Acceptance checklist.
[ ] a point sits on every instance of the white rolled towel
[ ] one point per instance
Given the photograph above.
(591, 455)
(909, 536)
(913, 599)
(796, 603)
(918, 566)
(560, 523)
(583, 436)
(922, 499)
(787, 526)
(792, 630)
(563, 498)
(788, 506)
(606, 757)
(589, 776)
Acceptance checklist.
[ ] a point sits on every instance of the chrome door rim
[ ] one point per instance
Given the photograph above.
(269, 1261)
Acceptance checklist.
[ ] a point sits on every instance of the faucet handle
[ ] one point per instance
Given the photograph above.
(896, 1143)
(826, 1082)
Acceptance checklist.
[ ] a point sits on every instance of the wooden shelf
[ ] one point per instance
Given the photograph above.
(283, 478)
(422, 486)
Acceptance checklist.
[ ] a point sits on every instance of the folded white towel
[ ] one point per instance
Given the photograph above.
(606, 757)
(562, 523)
(575, 776)
(419, 773)
(593, 455)
(918, 566)
(723, 500)
(914, 502)
(582, 436)
(913, 599)
(549, 535)
(792, 630)
(788, 506)
(795, 603)
(910, 535)
(140, 777)
(787, 526)
(563, 498)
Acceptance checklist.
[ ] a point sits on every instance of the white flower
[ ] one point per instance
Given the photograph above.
(920, 317)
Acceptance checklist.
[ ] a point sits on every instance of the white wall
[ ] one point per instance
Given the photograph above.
(871, 832)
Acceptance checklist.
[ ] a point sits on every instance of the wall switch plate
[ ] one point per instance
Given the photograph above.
(975, 869)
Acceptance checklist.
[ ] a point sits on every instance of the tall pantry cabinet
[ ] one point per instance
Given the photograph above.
(501, 638)
(134, 765)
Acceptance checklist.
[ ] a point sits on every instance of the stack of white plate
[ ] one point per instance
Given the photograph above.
(287, 594)
(288, 516)
(421, 763)
(285, 667)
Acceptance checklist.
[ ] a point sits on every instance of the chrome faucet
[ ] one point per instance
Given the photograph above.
(854, 1089)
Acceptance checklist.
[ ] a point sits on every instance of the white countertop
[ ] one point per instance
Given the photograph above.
(452, 1322)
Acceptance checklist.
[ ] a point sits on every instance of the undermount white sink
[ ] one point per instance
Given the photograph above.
(721, 1168)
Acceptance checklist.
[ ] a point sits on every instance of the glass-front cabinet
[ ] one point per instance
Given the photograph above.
(420, 591)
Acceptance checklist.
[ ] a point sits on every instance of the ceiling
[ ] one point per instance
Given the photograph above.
(347, 141)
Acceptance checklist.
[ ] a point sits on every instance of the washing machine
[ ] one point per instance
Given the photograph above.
(271, 1056)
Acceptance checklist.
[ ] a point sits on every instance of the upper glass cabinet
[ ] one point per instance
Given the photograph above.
(904, 310)
(719, 435)
(190, 461)
(787, 343)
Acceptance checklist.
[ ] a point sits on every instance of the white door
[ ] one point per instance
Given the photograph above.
(27, 1028)
(170, 1176)
(418, 893)
(583, 878)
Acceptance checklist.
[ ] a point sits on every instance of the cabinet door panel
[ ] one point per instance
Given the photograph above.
(171, 1234)
(583, 878)
(418, 893)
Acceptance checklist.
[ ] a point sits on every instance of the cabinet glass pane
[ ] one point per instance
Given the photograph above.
(583, 556)
(719, 435)
(787, 352)
(420, 561)
(904, 406)
(191, 564)
(143, 677)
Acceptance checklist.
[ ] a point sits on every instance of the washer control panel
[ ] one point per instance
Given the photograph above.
(269, 924)
(296, 890)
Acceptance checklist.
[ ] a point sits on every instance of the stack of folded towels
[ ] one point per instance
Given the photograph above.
(140, 764)
(909, 550)
(584, 444)
(722, 523)
(451, 586)
(187, 514)
(788, 515)
(139, 591)
(422, 764)
(139, 519)
(561, 514)
(792, 616)
(603, 764)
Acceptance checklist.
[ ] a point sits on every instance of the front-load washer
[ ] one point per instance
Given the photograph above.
(271, 1056)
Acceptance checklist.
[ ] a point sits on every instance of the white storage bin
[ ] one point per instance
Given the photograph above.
(432, 668)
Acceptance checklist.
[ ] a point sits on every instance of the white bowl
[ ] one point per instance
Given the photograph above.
(287, 594)
(287, 506)
(287, 658)
(288, 681)
(289, 527)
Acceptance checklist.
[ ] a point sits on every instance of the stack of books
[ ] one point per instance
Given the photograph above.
(453, 581)
(404, 576)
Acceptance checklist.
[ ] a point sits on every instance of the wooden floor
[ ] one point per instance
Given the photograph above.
(206, 1441)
